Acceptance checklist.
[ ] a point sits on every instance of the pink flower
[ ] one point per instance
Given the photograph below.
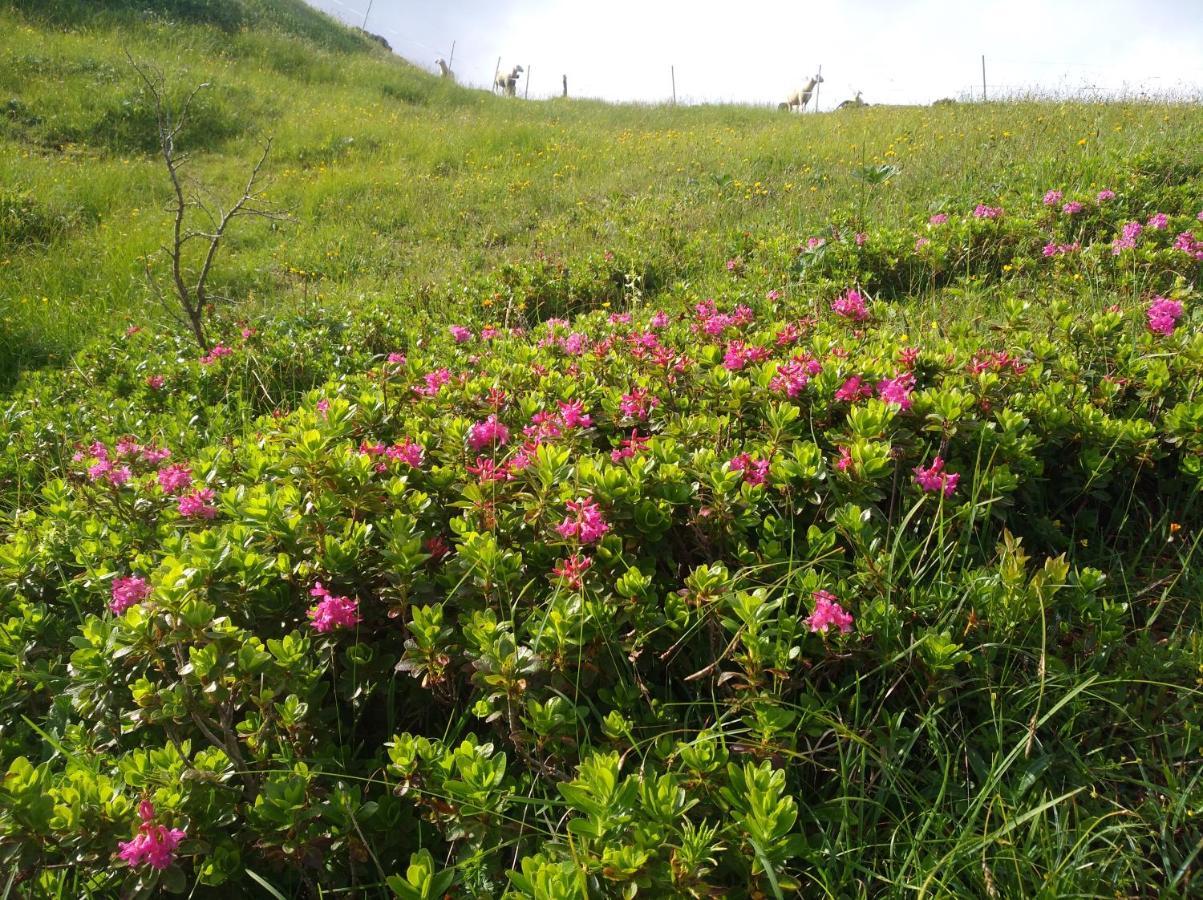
(323, 408)
(1158, 221)
(981, 211)
(853, 389)
(1105, 194)
(487, 470)
(1127, 239)
(851, 306)
(897, 390)
(659, 320)
(859, 238)
(584, 522)
(739, 354)
(732, 265)
(218, 351)
(1072, 208)
(155, 382)
(174, 479)
(828, 613)
(793, 376)
(248, 333)
(408, 451)
(1052, 198)
(489, 433)
(629, 447)
(127, 592)
(333, 612)
(153, 455)
(934, 478)
(118, 475)
(154, 845)
(755, 470)
(434, 382)
(920, 243)
(815, 243)
(845, 461)
(573, 415)
(197, 504)
(397, 359)
(938, 219)
(572, 570)
(1163, 315)
(638, 404)
(460, 333)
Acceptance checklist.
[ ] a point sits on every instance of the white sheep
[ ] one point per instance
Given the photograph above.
(799, 99)
(444, 69)
(508, 84)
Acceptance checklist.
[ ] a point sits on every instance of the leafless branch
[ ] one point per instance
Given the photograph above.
(195, 298)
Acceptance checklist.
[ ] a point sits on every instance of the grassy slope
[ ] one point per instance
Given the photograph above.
(405, 186)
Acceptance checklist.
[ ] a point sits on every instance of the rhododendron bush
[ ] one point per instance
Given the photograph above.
(623, 603)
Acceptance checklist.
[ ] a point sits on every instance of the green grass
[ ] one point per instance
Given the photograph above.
(405, 186)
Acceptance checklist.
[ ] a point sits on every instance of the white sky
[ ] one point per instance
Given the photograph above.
(757, 51)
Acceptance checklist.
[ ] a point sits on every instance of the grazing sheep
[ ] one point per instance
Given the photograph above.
(444, 70)
(508, 84)
(856, 101)
(799, 99)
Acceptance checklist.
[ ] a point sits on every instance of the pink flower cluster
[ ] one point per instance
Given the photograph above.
(714, 323)
(115, 466)
(1052, 198)
(583, 522)
(1072, 208)
(853, 389)
(897, 390)
(1127, 239)
(572, 570)
(219, 350)
(738, 354)
(1158, 221)
(638, 404)
(434, 382)
(332, 612)
(995, 361)
(1189, 244)
(828, 613)
(127, 592)
(407, 451)
(981, 211)
(934, 478)
(1163, 315)
(1055, 249)
(154, 845)
(755, 470)
(175, 478)
(460, 333)
(629, 447)
(851, 306)
(489, 433)
(938, 219)
(793, 376)
(1104, 195)
(198, 504)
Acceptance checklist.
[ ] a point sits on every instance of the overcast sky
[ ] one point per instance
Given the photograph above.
(895, 51)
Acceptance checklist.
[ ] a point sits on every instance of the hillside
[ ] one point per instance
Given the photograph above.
(406, 185)
(564, 500)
